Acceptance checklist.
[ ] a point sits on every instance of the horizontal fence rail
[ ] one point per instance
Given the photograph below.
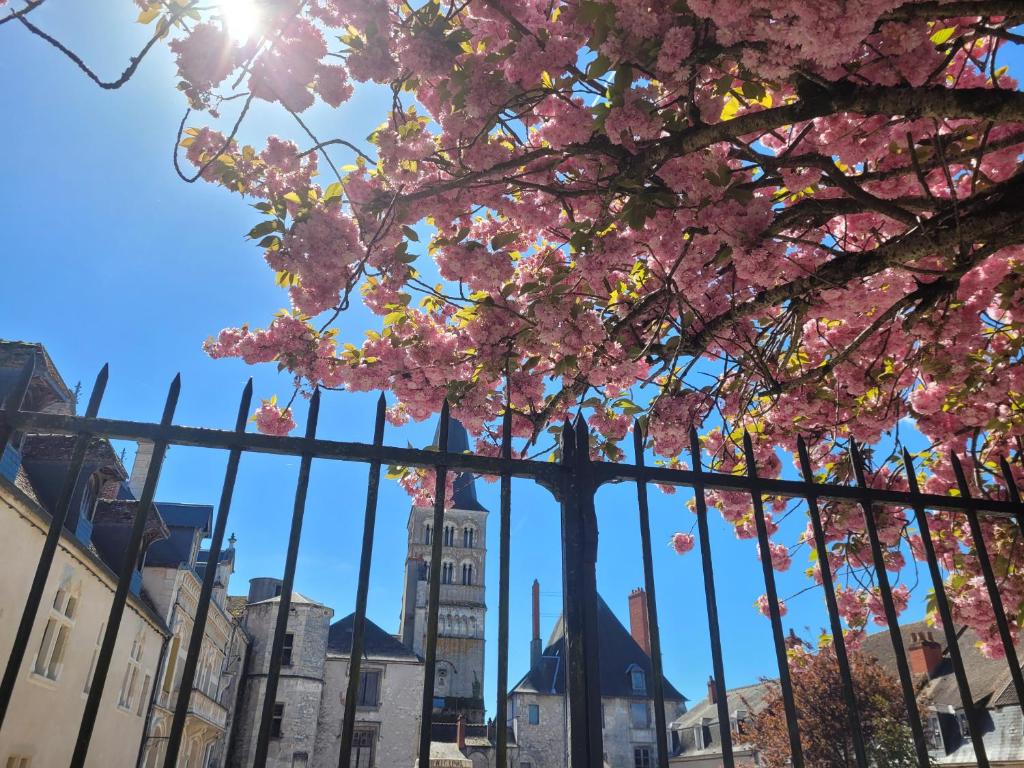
(574, 481)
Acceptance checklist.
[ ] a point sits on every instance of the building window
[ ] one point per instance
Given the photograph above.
(449, 535)
(467, 573)
(426, 533)
(533, 712)
(363, 741)
(447, 573)
(369, 688)
(57, 634)
(95, 656)
(144, 698)
(963, 723)
(277, 721)
(467, 537)
(426, 571)
(639, 715)
(525, 764)
(132, 675)
(641, 757)
(18, 761)
(286, 649)
(90, 495)
(639, 681)
(172, 662)
(933, 733)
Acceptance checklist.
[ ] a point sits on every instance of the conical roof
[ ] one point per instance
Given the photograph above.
(464, 496)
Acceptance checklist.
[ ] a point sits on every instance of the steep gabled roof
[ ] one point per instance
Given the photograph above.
(376, 642)
(617, 653)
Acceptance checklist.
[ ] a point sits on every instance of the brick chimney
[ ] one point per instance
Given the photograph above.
(140, 467)
(924, 654)
(712, 690)
(638, 625)
(460, 732)
(535, 638)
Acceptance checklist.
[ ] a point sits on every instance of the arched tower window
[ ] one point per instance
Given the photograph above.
(449, 535)
(427, 530)
(467, 573)
(468, 534)
(447, 573)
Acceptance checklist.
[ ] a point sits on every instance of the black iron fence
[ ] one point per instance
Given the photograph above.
(574, 482)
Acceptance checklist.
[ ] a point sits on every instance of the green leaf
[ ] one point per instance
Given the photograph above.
(265, 228)
(501, 240)
(410, 234)
(943, 35)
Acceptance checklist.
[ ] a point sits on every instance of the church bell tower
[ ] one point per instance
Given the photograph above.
(459, 673)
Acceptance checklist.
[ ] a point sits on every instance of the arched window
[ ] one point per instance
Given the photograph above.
(425, 571)
(447, 573)
(426, 533)
(467, 573)
(449, 535)
(467, 537)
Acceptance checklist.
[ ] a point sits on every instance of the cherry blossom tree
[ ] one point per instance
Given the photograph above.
(789, 217)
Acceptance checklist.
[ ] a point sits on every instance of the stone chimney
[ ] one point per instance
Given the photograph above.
(140, 467)
(712, 690)
(639, 627)
(924, 654)
(535, 638)
(460, 732)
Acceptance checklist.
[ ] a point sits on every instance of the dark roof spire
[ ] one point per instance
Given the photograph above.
(464, 496)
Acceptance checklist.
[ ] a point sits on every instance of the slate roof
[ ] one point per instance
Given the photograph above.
(617, 652)
(704, 714)
(988, 678)
(376, 642)
(464, 488)
(46, 387)
(185, 522)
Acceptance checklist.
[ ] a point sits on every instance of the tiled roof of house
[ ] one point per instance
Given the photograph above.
(988, 678)
(617, 651)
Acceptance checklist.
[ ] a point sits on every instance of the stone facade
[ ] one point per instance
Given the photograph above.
(53, 680)
(301, 682)
(393, 724)
(460, 642)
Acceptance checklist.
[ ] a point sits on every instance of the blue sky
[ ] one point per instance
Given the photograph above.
(111, 258)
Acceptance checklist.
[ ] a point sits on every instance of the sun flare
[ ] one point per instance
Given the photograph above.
(242, 18)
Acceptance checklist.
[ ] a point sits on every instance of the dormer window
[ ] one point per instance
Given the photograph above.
(963, 723)
(638, 681)
(933, 734)
(90, 496)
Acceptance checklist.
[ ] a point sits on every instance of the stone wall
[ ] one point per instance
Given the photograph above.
(542, 745)
(396, 721)
(40, 702)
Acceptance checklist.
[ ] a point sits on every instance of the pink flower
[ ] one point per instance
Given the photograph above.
(762, 605)
(682, 542)
(272, 420)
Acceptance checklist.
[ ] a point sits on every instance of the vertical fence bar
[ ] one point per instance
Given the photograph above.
(14, 400)
(501, 716)
(60, 514)
(990, 581)
(652, 603)
(195, 641)
(434, 591)
(948, 628)
(889, 608)
(355, 660)
(781, 657)
(579, 596)
(717, 663)
(128, 566)
(838, 640)
(287, 583)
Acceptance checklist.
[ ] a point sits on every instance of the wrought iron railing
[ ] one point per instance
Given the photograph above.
(574, 481)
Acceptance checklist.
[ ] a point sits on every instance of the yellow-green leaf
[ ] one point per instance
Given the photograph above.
(150, 13)
(943, 35)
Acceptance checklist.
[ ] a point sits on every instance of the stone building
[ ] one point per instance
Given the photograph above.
(537, 710)
(301, 682)
(388, 703)
(57, 671)
(696, 736)
(172, 578)
(459, 674)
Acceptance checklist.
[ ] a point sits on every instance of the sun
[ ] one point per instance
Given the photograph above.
(242, 18)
